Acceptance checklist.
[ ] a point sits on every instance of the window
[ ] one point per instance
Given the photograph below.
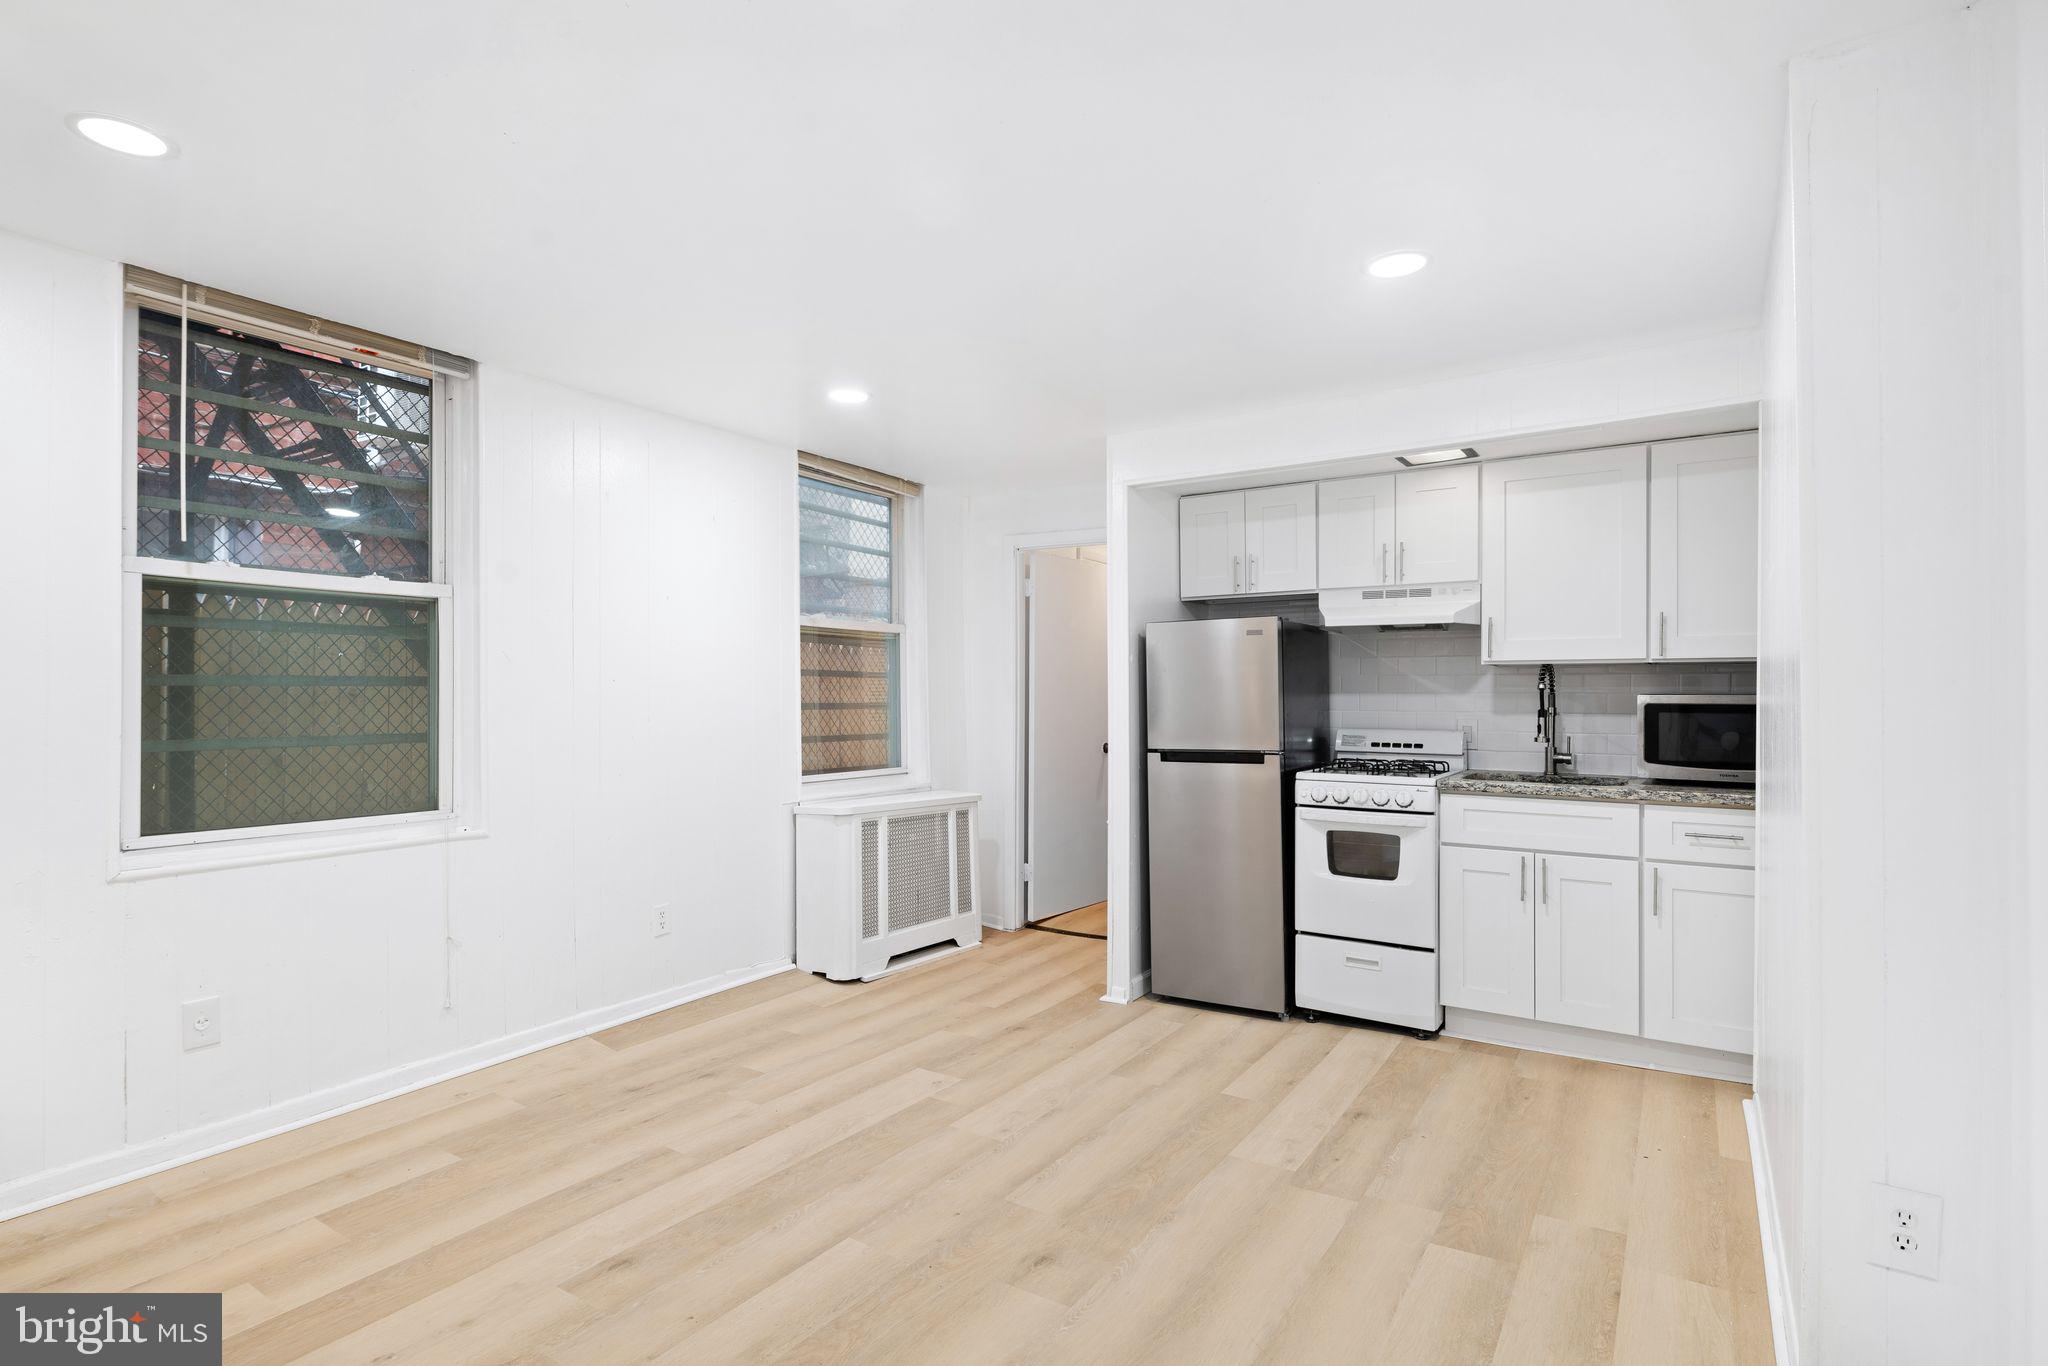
(850, 538)
(285, 557)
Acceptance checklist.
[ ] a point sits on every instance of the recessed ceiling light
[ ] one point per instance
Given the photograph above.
(1439, 457)
(120, 136)
(847, 395)
(341, 512)
(1395, 264)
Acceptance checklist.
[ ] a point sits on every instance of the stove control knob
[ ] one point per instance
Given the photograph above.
(1315, 794)
(1340, 796)
(1404, 799)
(1379, 796)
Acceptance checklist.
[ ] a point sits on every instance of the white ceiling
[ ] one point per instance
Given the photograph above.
(1019, 225)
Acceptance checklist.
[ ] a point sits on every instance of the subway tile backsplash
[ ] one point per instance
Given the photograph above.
(1434, 680)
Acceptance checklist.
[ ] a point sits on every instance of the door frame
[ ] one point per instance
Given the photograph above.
(1016, 916)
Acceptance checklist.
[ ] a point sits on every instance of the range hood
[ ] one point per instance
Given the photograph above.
(1435, 604)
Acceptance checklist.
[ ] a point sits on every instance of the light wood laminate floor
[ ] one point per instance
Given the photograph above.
(976, 1161)
(1089, 920)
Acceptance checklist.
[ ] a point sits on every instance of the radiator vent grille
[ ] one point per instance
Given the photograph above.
(870, 882)
(919, 878)
(963, 860)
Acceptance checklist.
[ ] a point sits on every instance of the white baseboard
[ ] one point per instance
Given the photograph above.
(1141, 987)
(175, 1150)
(1596, 1045)
(1777, 1278)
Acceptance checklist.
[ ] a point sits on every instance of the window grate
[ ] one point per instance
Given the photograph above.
(262, 707)
(294, 460)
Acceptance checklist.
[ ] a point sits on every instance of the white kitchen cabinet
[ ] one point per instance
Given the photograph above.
(1587, 927)
(1355, 532)
(1703, 530)
(1436, 515)
(1699, 949)
(1487, 945)
(1280, 539)
(1212, 544)
(1562, 562)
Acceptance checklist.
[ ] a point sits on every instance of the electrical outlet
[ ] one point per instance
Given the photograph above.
(661, 920)
(1905, 1230)
(202, 1023)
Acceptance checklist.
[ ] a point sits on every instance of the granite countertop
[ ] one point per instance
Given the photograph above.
(1593, 788)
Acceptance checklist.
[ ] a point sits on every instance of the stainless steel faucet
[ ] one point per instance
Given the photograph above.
(1556, 755)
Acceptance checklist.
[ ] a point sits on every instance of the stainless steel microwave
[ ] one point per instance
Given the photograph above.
(1702, 739)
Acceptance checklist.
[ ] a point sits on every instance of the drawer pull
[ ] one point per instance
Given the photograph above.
(1355, 962)
(1709, 835)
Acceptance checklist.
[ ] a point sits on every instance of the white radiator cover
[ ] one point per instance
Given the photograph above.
(881, 876)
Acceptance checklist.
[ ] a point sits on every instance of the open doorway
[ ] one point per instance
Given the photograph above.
(1064, 779)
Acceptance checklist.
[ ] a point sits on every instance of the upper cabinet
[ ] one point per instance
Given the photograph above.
(1563, 544)
(1212, 544)
(1436, 515)
(1280, 539)
(1703, 531)
(1355, 531)
(1417, 526)
(1248, 541)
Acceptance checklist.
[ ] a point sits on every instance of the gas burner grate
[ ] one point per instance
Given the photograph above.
(1389, 768)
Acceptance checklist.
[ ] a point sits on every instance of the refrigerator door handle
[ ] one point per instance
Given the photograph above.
(1212, 756)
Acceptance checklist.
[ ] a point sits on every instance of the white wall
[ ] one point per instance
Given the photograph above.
(1542, 394)
(639, 737)
(972, 540)
(1897, 905)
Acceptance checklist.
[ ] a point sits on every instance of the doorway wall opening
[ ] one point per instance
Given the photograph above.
(1063, 776)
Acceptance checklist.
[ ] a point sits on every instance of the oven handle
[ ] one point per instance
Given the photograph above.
(1363, 820)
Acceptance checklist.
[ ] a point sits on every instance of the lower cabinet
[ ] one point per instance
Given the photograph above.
(1587, 929)
(1486, 948)
(1699, 938)
(1541, 936)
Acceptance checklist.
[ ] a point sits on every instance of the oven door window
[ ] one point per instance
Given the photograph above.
(1374, 855)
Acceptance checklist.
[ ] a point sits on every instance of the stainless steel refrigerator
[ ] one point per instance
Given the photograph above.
(1233, 710)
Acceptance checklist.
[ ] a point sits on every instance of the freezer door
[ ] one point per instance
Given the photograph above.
(1213, 684)
(1217, 892)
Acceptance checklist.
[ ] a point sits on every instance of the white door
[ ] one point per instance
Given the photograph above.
(1699, 952)
(1280, 539)
(1437, 513)
(1586, 942)
(1067, 815)
(1355, 532)
(1703, 519)
(1488, 934)
(1563, 575)
(1211, 544)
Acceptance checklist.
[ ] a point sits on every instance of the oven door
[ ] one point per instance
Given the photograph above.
(1365, 875)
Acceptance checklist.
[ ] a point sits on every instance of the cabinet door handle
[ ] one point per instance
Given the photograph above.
(1401, 562)
(1660, 635)
(1543, 880)
(1255, 571)
(1383, 561)
(1524, 895)
(1656, 891)
(1489, 637)
(1235, 561)
(1356, 962)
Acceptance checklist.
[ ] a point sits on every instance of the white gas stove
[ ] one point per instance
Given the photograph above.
(1365, 876)
(1388, 769)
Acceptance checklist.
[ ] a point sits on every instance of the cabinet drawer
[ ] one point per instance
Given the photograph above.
(1366, 981)
(1691, 834)
(1604, 828)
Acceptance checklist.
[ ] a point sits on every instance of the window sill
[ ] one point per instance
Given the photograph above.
(867, 784)
(142, 865)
